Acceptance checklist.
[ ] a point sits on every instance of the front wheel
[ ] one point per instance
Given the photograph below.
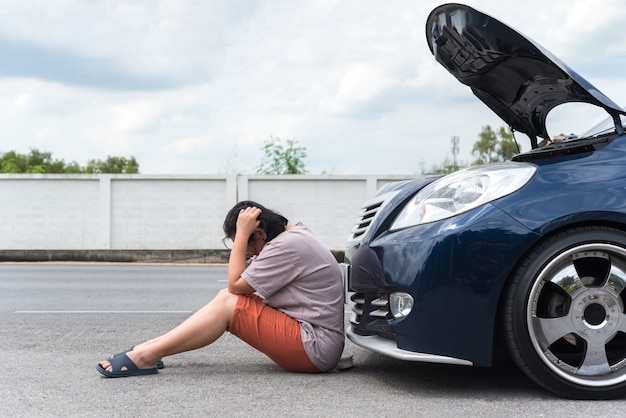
(565, 322)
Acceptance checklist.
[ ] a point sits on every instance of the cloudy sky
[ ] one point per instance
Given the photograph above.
(196, 87)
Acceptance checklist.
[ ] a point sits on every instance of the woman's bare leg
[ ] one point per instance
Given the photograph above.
(199, 330)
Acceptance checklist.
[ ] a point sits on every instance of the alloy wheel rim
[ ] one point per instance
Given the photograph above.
(577, 300)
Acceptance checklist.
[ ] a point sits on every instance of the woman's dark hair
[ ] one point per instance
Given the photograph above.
(273, 223)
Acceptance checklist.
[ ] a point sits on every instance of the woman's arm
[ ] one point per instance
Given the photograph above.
(247, 223)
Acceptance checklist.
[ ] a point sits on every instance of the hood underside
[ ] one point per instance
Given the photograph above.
(517, 78)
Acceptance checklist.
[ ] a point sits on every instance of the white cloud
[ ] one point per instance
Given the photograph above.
(184, 146)
(197, 87)
(22, 100)
(134, 115)
(359, 84)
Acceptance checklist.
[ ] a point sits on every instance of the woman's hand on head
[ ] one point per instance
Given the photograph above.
(247, 221)
(247, 224)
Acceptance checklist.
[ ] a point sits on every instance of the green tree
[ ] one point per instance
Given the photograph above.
(279, 159)
(34, 162)
(494, 146)
(11, 162)
(72, 168)
(507, 147)
(37, 161)
(113, 165)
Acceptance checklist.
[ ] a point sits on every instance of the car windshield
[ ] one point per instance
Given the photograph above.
(605, 127)
(572, 121)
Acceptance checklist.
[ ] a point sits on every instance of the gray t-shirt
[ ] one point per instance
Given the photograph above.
(297, 275)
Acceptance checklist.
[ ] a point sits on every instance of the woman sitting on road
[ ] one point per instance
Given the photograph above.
(286, 300)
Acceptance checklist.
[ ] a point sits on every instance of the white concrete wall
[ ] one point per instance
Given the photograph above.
(37, 212)
(169, 213)
(90, 212)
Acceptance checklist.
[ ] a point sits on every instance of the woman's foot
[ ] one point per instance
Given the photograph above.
(159, 364)
(131, 362)
(122, 366)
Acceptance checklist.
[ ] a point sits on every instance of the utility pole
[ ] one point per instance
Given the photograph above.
(455, 149)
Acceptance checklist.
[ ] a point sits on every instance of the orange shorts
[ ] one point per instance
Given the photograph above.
(272, 332)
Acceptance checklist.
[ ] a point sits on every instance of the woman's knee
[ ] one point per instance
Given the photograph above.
(226, 300)
(226, 295)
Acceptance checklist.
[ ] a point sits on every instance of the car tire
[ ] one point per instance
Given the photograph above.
(564, 315)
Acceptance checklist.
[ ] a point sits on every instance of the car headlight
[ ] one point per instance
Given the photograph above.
(462, 191)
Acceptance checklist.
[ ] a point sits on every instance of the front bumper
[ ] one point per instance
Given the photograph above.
(454, 274)
(389, 348)
(378, 343)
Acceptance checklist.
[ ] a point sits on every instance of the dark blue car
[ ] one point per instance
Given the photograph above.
(529, 254)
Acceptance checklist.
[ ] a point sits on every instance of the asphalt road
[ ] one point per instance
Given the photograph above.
(59, 320)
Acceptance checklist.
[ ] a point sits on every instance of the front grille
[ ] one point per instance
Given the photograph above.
(369, 307)
(366, 216)
(368, 213)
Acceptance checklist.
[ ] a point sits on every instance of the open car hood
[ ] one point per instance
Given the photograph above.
(516, 77)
